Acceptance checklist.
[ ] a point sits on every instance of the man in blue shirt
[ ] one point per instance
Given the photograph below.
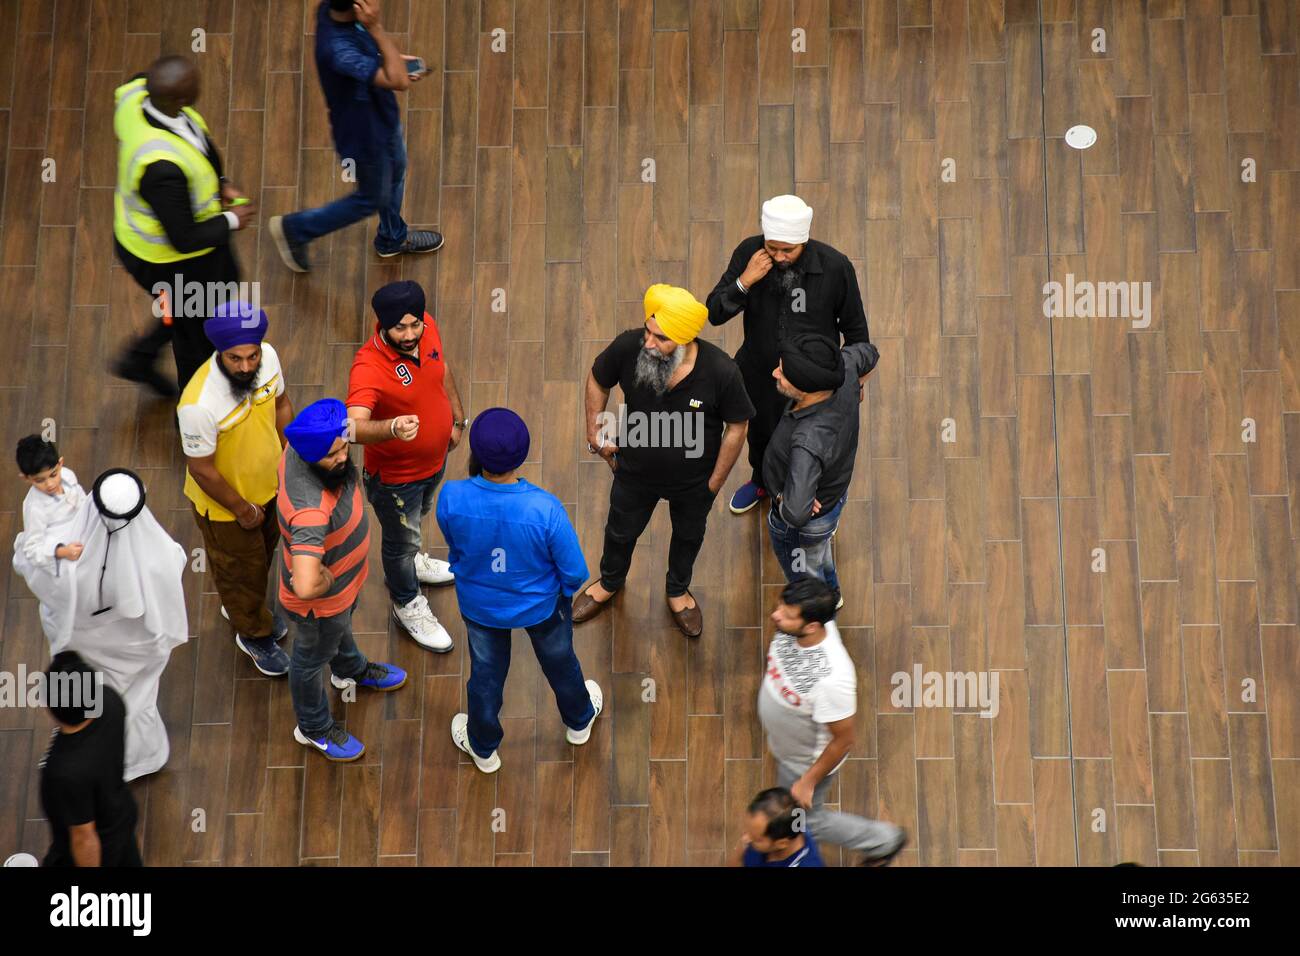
(517, 562)
(777, 833)
(359, 68)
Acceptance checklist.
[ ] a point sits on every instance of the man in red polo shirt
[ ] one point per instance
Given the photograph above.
(407, 412)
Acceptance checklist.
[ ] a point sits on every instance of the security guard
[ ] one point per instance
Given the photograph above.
(173, 214)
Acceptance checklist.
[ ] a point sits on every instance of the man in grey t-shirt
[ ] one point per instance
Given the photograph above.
(806, 704)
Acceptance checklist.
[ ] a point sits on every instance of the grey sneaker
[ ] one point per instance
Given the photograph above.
(293, 253)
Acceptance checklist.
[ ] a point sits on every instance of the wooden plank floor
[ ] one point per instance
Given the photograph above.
(1125, 731)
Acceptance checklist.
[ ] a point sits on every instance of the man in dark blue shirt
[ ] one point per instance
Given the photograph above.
(359, 68)
(777, 833)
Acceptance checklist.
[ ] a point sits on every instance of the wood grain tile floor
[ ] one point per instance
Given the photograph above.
(1146, 712)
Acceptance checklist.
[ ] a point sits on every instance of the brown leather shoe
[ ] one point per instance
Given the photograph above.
(585, 607)
(689, 621)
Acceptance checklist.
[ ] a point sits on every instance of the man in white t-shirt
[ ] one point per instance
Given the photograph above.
(232, 416)
(806, 705)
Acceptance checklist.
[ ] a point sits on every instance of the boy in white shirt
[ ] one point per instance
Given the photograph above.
(52, 500)
(806, 704)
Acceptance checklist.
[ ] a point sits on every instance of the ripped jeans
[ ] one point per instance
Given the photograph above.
(400, 509)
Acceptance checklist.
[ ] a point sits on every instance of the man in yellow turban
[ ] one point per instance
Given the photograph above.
(676, 436)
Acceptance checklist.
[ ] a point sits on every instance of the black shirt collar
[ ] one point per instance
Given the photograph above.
(811, 260)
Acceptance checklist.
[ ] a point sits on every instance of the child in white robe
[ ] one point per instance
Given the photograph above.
(49, 510)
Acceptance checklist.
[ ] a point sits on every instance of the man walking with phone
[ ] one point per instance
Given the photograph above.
(360, 68)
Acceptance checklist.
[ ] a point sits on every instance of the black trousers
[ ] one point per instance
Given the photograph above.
(769, 404)
(630, 506)
(190, 346)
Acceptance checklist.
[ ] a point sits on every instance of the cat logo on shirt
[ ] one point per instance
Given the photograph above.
(403, 373)
(695, 403)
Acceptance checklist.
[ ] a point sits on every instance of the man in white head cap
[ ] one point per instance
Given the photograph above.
(121, 606)
(786, 284)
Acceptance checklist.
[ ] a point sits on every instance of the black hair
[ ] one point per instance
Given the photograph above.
(68, 682)
(35, 454)
(814, 598)
(777, 804)
(475, 468)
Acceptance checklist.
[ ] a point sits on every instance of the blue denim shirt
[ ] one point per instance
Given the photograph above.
(362, 116)
(512, 549)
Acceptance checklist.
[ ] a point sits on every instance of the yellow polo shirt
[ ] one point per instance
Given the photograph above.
(241, 434)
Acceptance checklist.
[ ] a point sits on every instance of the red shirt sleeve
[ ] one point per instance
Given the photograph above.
(363, 391)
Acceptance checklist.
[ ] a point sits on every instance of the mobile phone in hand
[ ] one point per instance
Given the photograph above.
(416, 67)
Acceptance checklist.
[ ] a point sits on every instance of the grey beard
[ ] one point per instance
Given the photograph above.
(790, 277)
(654, 372)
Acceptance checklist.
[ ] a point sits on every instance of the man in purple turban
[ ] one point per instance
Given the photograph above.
(232, 417)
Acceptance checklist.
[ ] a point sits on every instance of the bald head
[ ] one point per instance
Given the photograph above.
(173, 82)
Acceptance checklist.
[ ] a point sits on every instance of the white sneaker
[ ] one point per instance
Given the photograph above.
(432, 570)
(422, 625)
(579, 737)
(460, 736)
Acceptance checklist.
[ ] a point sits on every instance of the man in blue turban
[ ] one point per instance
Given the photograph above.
(232, 415)
(325, 543)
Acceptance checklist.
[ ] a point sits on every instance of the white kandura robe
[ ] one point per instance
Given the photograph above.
(46, 525)
(132, 642)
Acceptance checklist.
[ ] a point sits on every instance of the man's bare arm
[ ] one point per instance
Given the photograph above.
(368, 431)
(733, 439)
(84, 843)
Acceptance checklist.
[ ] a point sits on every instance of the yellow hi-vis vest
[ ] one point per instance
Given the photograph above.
(138, 144)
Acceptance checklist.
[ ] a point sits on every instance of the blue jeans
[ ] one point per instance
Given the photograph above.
(814, 538)
(318, 641)
(381, 181)
(489, 657)
(400, 509)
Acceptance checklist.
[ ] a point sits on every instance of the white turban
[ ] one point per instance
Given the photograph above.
(786, 219)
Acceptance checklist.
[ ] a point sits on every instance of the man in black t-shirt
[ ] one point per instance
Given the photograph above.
(677, 436)
(90, 808)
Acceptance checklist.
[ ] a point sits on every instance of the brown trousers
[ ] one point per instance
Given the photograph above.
(240, 562)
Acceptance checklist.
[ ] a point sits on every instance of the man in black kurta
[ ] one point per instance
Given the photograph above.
(786, 284)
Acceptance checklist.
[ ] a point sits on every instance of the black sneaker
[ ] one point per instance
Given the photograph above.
(887, 856)
(419, 241)
(294, 254)
(133, 371)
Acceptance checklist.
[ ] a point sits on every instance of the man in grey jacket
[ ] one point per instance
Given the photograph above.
(808, 463)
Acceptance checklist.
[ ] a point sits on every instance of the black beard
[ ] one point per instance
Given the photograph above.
(335, 478)
(654, 370)
(415, 347)
(242, 384)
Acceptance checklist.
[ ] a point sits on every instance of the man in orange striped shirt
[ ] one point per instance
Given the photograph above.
(324, 540)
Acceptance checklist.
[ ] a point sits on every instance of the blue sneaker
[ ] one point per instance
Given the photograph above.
(376, 677)
(746, 496)
(266, 654)
(337, 744)
(279, 626)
